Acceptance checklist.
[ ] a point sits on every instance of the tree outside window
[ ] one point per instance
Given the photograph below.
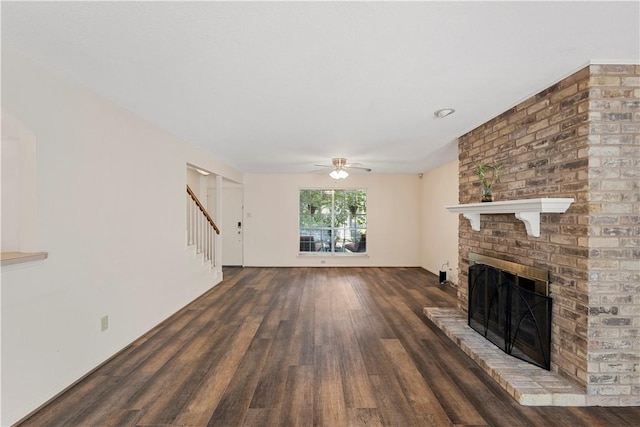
(333, 220)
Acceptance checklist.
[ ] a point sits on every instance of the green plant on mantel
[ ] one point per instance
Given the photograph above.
(489, 175)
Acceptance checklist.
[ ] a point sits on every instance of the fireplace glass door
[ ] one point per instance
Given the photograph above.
(511, 311)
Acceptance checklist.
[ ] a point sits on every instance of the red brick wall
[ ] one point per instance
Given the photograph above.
(578, 138)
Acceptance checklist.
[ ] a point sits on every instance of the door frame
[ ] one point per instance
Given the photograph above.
(231, 231)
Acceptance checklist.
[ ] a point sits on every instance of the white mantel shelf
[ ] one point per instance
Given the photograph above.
(526, 210)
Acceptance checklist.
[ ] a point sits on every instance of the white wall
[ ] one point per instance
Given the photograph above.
(111, 215)
(439, 187)
(271, 220)
(18, 186)
(10, 168)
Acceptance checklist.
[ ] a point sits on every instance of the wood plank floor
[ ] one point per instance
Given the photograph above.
(305, 347)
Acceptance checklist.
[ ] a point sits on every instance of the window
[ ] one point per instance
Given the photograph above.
(333, 220)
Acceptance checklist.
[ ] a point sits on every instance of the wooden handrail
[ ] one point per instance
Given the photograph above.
(203, 210)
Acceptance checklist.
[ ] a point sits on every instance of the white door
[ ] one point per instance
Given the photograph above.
(231, 226)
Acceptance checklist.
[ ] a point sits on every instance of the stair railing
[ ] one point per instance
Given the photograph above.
(201, 229)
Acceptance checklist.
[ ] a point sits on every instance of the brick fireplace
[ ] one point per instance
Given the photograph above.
(580, 139)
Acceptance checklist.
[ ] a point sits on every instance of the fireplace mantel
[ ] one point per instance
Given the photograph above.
(526, 210)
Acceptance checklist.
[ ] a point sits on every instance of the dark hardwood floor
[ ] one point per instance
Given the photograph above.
(303, 347)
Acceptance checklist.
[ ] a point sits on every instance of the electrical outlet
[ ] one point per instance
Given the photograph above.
(323, 261)
(104, 323)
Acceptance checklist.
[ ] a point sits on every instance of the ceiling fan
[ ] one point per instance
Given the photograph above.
(340, 167)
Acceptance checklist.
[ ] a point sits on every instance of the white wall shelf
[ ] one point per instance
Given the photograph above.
(9, 258)
(526, 210)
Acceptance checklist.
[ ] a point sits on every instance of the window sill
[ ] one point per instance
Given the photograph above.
(333, 254)
(9, 258)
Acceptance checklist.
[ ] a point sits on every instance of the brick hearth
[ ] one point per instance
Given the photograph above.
(529, 385)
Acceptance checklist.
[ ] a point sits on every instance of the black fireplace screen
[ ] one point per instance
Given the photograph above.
(510, 310)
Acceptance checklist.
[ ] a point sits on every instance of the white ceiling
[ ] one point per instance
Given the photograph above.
(278, 86)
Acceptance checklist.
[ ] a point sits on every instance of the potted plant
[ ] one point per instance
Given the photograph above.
(489, 175)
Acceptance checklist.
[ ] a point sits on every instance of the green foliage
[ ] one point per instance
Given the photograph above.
(315, 208)
(349, 208)
(486, 172)
(350, 205)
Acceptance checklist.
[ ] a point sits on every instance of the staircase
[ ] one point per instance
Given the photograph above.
(201, 229)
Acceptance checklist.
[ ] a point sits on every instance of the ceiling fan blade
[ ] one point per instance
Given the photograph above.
(359, 168)
(340, 163)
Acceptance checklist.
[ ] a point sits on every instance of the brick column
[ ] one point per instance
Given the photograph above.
(614, 232)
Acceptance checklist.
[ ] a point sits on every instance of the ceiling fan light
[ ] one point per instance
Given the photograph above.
(338, 174)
